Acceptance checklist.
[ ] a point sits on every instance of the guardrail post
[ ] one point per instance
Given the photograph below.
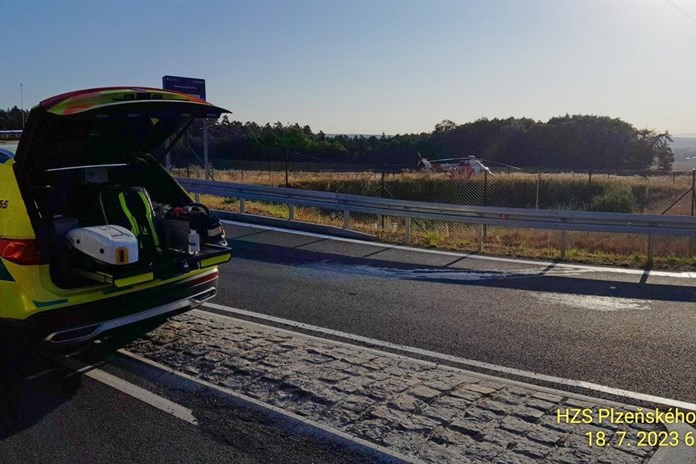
(291, 212)
(564, 243)
(346, 219)
(480, 239)
(197, 197)
(242, 206)
(650, 251)
(408, 230)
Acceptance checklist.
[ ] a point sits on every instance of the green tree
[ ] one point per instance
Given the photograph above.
(445, 125)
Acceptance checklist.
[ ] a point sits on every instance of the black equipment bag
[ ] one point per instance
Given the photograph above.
(200, 219)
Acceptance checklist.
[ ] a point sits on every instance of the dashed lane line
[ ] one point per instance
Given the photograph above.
(134, 391)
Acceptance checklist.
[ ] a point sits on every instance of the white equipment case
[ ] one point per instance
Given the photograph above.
(109, 244)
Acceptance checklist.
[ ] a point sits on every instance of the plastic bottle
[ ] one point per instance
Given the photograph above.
(194, 243)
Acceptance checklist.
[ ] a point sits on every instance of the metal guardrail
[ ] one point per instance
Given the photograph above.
(644, 224)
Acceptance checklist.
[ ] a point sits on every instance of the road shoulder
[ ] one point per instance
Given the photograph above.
(414, 408)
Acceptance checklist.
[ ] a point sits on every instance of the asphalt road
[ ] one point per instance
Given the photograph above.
(627, 330)
(53, 414)
(633, 331)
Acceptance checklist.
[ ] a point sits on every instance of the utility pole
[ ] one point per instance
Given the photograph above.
(206, 163)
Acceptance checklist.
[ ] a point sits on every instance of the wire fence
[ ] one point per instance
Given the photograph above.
(648, 192)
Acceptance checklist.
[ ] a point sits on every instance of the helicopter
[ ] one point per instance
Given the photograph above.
(464, 167)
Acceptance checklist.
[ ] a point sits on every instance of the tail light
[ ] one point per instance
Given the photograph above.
(20, 251)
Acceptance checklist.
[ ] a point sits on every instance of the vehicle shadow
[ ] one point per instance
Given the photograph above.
(38, 382)
(546, 279)
(32, 391)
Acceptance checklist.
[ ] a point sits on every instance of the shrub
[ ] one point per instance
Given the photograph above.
(616, 199)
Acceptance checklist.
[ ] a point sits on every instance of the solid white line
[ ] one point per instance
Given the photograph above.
(129, 389)
(584, 267)
(460, 361)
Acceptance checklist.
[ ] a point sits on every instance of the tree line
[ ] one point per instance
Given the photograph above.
(579, 142)
(11, 118)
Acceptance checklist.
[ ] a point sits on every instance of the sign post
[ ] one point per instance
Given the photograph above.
(196, 88)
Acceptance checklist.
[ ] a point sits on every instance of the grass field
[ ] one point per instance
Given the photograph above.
(567, 191)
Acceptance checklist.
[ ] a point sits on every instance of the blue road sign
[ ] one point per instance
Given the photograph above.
(187, 85)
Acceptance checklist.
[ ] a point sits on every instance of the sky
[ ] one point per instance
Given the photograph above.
(369, 67)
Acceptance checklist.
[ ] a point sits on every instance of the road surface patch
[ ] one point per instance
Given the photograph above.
(577, 386)
(328, 271)
(593, 302)
(416, 408)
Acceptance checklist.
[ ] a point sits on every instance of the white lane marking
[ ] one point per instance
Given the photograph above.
(129, 389)
(616, 270)
(460, 361)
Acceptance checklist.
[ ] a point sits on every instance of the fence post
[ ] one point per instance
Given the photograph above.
(381, 195)
(287, 181)
(485, 188)
(346, 219)
(408, 230)
(291, 212)
(242, 206)
(693, 205)
(480, 239)
(485, 203)
(693, 190)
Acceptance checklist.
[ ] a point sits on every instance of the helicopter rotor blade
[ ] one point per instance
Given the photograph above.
(500, 164)
(449, 159)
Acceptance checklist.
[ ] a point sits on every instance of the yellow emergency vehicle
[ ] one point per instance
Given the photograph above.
(95, 234)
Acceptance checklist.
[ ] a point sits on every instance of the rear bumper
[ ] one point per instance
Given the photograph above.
(89, 321)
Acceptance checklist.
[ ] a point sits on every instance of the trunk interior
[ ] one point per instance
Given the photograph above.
(94, 168)
(68, 198)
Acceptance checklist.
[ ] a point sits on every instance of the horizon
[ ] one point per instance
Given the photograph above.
(369, 68)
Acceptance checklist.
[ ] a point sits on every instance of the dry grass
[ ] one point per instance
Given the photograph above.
(582, 247)
(556, 191)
